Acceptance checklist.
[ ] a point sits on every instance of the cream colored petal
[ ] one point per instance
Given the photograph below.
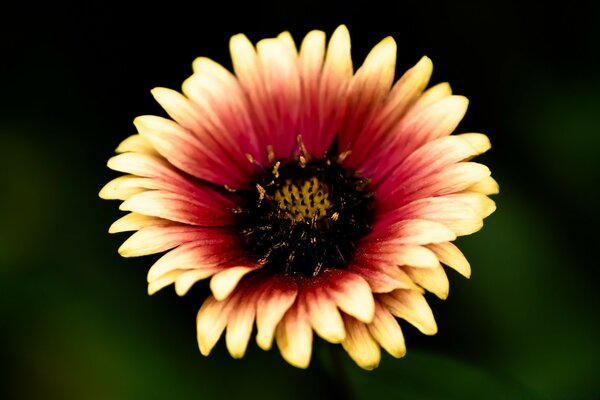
(286, 39)
(487, 186)
(457, 178)
(190, 256)
(156, 239)
(239, 326)
(403, 93)
(411, 306)
(450, 255)
(177, 106)
(134, 222)
(386, 331)
(478, 141)
(360, 345)
(431, 279)
(312, 53)
(181, 147)
(379, 67)
(338, 60)
(382, 276)
(188, 278)
(408, 86)
(211, 321)
(352, 295)
(124, 187)
(163, 281)
(271, 307)
(482, 205)
(418, 232)
(437, 119)
(223, 283)
(415, 256)
(135, 143)
(281, 77)
(294, 337)
(145, 165)
(180, 207)
(432, 95)
(243, 57)
(324, 315)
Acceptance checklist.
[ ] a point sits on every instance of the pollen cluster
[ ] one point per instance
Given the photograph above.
(303, 200)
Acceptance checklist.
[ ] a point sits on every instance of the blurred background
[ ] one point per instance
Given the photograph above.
(76, 320)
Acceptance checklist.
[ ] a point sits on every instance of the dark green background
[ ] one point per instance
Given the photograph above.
(76, 320)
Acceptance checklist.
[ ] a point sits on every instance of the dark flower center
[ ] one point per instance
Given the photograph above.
(304, 216)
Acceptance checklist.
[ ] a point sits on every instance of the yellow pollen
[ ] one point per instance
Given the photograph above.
(303, 200)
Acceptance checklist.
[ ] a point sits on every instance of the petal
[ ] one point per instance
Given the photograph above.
(360, 345)
(286, 39)
(187, 278)
(177, 207)
(294, 337)
(193, 153)
(164, 176)
(225, 115)
(411, 306)
(123, 187)
(431, 279)
(211, 322)
(310, 64)
(416, 128)
(450, 255)
(404, 92)
(432, 95)
(335, 79)
(223, 283)
(459, 216)
(394, 254)
(351, 293)
(271, 82)
(452, 179)
(487, 185)
(163, 281)
(219, 251)
(156, 239)
(338, 61)
(381, 276)
(282, 94)
(481, 205)
(368, 89)
(412, 232)
(241, 321)
(134, 222)
(323, 313)
(136, 143)
(272, 305)
(386, 331)
(431, 158)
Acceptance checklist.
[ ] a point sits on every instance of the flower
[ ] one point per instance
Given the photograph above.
(314, 198)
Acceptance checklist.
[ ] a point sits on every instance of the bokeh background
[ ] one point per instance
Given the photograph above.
(76, 322)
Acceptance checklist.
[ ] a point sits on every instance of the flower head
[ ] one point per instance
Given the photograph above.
(315, 198)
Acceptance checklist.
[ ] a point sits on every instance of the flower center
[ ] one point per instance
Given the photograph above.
(303, 200)
(304, 216)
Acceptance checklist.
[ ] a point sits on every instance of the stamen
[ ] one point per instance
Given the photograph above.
(250, 159)
(271, 154)
(275, 171)
(342, 157)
